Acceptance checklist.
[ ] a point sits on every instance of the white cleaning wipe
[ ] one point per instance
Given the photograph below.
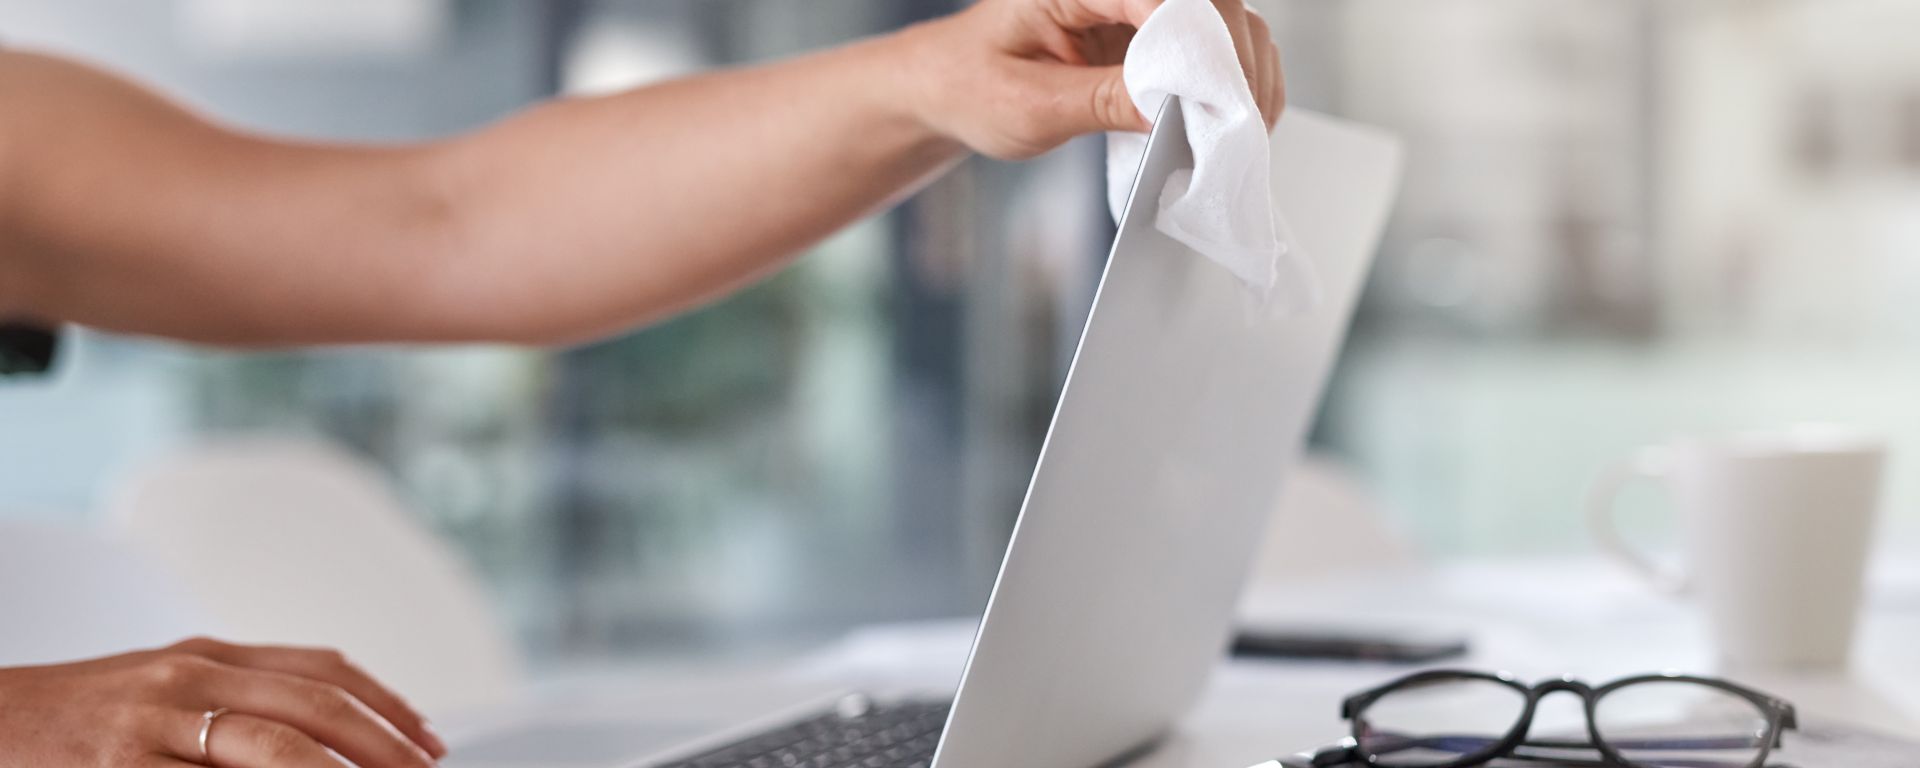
(1223, 208)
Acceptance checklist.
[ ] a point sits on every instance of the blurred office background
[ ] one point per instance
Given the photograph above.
(1623, 220)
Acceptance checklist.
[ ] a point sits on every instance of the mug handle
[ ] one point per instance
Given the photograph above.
(1651, 465)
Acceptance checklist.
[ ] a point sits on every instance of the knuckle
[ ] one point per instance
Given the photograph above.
(1258, 23)
(1112, 104)
(198, 645)
(176, 670)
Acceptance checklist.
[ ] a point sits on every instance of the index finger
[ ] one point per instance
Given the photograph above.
(1234, 13)
(1084, 14)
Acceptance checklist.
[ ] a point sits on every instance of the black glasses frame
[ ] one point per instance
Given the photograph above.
(1779, 713)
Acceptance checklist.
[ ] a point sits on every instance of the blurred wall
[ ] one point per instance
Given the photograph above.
(486, 60)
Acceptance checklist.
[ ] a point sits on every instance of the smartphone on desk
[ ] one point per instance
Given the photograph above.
(1359, 644)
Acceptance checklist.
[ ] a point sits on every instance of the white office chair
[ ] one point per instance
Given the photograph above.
(67, 593)
(295, 542)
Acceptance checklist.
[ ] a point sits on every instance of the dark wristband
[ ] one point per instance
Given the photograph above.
(26, 349)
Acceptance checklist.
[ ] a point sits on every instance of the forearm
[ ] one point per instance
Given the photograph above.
(125, 212)
(575, 219)
(635, 206)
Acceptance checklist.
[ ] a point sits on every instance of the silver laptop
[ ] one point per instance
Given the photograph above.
(1183, 410)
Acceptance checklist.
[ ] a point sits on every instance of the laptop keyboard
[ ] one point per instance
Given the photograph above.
(858, 734)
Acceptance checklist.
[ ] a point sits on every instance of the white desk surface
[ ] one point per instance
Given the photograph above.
(1537, 619)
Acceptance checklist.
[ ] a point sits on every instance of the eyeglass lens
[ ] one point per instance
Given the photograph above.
(1439, 722)
(1678, 724)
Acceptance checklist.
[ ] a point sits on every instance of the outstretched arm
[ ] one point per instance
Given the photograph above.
(572, 220)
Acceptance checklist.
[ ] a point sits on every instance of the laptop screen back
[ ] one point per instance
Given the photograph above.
(1183, 410)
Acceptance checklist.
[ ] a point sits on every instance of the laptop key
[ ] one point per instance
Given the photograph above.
(855, 735)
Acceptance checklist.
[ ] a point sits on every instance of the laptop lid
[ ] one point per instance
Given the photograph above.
(1181, 413)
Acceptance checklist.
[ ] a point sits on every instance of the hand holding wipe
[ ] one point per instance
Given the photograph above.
(1222, 208)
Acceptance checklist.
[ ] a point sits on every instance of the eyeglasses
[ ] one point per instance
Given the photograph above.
(1457, 718)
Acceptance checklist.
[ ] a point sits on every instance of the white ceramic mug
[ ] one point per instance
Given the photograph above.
(1776, 529)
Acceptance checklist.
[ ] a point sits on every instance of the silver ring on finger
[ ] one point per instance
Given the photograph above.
(206, 729)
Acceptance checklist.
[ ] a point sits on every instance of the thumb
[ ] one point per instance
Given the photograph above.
(1091, 100)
